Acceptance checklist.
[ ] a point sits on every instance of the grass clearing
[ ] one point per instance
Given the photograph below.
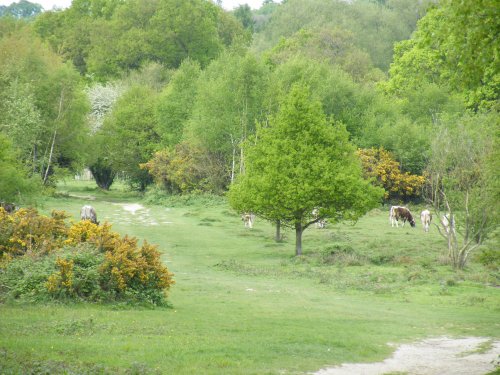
(243, 304)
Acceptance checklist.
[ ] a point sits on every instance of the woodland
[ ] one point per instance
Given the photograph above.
(170, 96)
(187, 116)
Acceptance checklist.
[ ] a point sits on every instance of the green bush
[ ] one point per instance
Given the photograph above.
(490, 258)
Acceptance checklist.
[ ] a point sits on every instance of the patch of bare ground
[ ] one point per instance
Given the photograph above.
(434, 356)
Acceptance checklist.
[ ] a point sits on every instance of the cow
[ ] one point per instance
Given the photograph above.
(88, 213)
(403, 213)
(248, 218)
(8, 207)
(426, 218)
(448, 225)
(320, 223)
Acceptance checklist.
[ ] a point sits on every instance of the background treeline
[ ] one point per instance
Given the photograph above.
(169, 91)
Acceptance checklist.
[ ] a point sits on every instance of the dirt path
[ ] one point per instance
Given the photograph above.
(436, 356)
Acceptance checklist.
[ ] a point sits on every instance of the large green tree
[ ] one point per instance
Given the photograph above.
(456, 47)
(129, 135)
(231, 97)
(300, 162)
(42, 104)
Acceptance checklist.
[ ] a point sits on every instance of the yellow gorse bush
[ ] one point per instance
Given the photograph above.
(99, 235)
(128, 266)
(27, 232)
(62, 280)
(380, 166)
(125, 265)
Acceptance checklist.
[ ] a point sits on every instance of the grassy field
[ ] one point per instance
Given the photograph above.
(244, 304)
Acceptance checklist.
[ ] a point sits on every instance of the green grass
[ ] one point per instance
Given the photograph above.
(243, 304)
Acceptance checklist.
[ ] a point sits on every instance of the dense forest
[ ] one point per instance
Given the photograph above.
(171, 95)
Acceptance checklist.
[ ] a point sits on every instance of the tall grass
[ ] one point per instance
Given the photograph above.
(243, 304)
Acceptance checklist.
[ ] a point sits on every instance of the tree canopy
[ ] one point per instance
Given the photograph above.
(299, 162)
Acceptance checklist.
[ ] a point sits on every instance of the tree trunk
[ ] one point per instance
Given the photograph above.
(278, 231)
(50, 158)
(298, 238)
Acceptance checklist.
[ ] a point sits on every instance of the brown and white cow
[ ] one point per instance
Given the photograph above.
(248, 218)
(400, 213)
(426, 218)
(88, 213)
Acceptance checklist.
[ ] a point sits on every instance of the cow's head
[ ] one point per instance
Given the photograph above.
(412, 222)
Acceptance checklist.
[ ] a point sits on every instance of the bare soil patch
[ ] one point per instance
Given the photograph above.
(434, 356)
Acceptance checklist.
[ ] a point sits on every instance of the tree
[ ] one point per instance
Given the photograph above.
(244, 14)
(130, 134)
(43, 105)
(175, 103)
(21, 9)
(15, 186)
(456, 47)
(300, 162)
(231, 97)
(464, 183)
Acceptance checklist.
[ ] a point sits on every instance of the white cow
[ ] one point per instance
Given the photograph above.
(248, 218)
(321, 223)
(426, 218)
(448, 225)
(88, 213)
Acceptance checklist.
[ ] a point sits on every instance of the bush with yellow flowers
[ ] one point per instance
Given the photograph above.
(381, 167)
(27, 232)
(44, 258)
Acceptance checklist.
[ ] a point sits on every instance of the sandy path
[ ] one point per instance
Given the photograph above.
(436, 356)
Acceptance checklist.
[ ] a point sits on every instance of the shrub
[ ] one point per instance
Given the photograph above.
(95, 265)
(129, 269)
(385, 171)
(27, 232)
(87, 232)
(490, 258)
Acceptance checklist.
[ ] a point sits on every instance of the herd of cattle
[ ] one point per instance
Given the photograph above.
(396, 214)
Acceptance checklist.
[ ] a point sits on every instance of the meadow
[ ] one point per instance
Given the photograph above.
(244, 304)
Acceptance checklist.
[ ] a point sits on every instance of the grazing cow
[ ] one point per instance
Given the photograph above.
(9, 207)
(248, 218)
(426, 218)
(321, 223)
(403, 213)
(88, 213)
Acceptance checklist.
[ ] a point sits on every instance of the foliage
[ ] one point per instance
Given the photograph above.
(129, 269)
(244, 14)
(380, 166)
(361, 18)
(42, 103)
(333, 45)
(100, 236)
(132, 118)
(15, 186)
(43, 258)
(24, 232)
(455, 46)
(175, 103)
(231, 97)
(358, 107)
(300, 162)
(464, 183)
(21, 9)
(180, 170)
(106, 38)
